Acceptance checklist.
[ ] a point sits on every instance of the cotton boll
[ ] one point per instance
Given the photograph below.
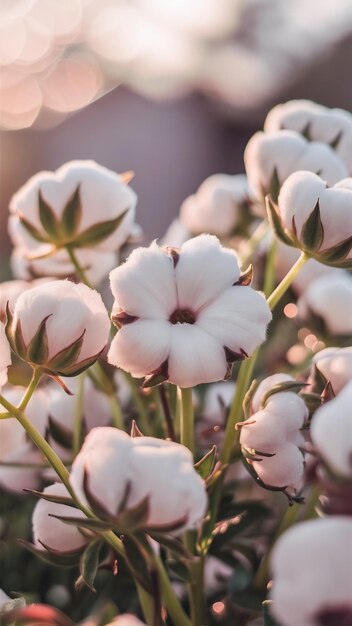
(285, 469)
(335, 364)
(330, 299)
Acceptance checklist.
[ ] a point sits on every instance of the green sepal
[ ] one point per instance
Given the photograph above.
(134, 518)
(167, 528)
(247, 402)
(157, 377)
(8, 326)
(62, 435)
(33, 231)
(87, 523)
(88, 566)
(19, 344)
(72, 214)
(38, 349)
(81, 366)
(205, 465)
(274, 188)
(173, 545)
(67, 356)
(53, 557)
(287, 385)
(64, 500)
(312, 233)
(275, 222)
(337, 254)
(98, 232)
(48, 219)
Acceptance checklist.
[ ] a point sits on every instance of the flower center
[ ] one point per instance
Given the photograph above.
(182, 316)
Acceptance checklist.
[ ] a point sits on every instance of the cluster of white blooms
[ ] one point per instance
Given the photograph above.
(271, 437)
(159, 472)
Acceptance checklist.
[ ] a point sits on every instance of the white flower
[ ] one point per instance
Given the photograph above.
(329, 298)
(10, 290)
(184, 314)
(271, 437)
(312, 573)
(94, 263)
(5, 356)
(60, 326)
(270, 158)
(82, 203)
(15, 448)
(315, 122)
(336, 366)
(51, 532)
(126, 620)
(218, 205)
(316, 218)
(145, 467)
(331, 432)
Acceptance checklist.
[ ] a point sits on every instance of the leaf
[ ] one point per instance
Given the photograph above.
(89, 564)
(180, 569)
(48, 219)
(312, 233)
(81, 366)
(275, 221)
(80, 522)
(72, 214)
(52, 557)
(336, 253)
(62, 435)
(268, 619)
(288, 385)
(18, 340)
(68, 355)
(137, 559)
(205, 466)
(33, 231)
(98, 232)
(65, 500)
(173, 544)
(38, 348)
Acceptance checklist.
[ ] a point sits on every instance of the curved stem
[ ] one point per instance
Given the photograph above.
(78, 415)
(79, 269)
(187, 419)
(277, 294)
(117, 417)
(36, 377)
(170, 599)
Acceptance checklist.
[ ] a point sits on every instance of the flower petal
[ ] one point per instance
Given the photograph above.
(141, 347)
(145, 285)
(238, 319)
(203, 271)
(195, 356)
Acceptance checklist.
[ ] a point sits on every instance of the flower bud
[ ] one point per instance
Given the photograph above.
(158, 472)
(61, 327)
(50, 532)
(315, 218)
(82, 205)
(271, 158)
(335, 364)
(312, 574)
(5, 355)
(218, 207)
(327, 305)
(316, 123)
(331, 429)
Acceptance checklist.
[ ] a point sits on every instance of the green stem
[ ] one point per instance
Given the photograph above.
(277, 294)
(117, 417)
(311, 504)
(170, 599)
(254, 241)
(142, 421)
(79, 269)
(36, 377)
(187, 419)
(197, 596)
(78, 415)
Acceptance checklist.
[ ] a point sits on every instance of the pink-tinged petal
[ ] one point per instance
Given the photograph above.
(237, 319)
(145, 285)
(141, 347)
(195, 357)
(203, 271)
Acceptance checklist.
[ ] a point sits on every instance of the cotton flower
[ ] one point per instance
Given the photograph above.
(331, 432)
(184, 316)
(82, 204)
(15, 448)
(159, 470)
(327, 304)
(10, 290)
(51, 533)
(271, 437)
(5, 355)
(270, 158)
(312, 574)
(60, 326)
(335, 364)
(316, 123)
(95, 264)
(316, 218)
(220, 204)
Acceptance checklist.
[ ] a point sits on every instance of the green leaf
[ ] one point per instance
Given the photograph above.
(78, 368)
(38, 348)
(180, 569)
(19, 344)
(48, 219)
(65, 500)
(53, 557)
(98, 232)
(89, 564)
(72, 214)
(275, 222)
(268, 619)
(205, 466)
(173, 544)
(62, 435)
(138, 562)
(90, 524)
(312, 234)
(67, 356)
(288, 385)
(33, 231)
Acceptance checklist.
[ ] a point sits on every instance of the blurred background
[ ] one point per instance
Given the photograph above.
(171, 89)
